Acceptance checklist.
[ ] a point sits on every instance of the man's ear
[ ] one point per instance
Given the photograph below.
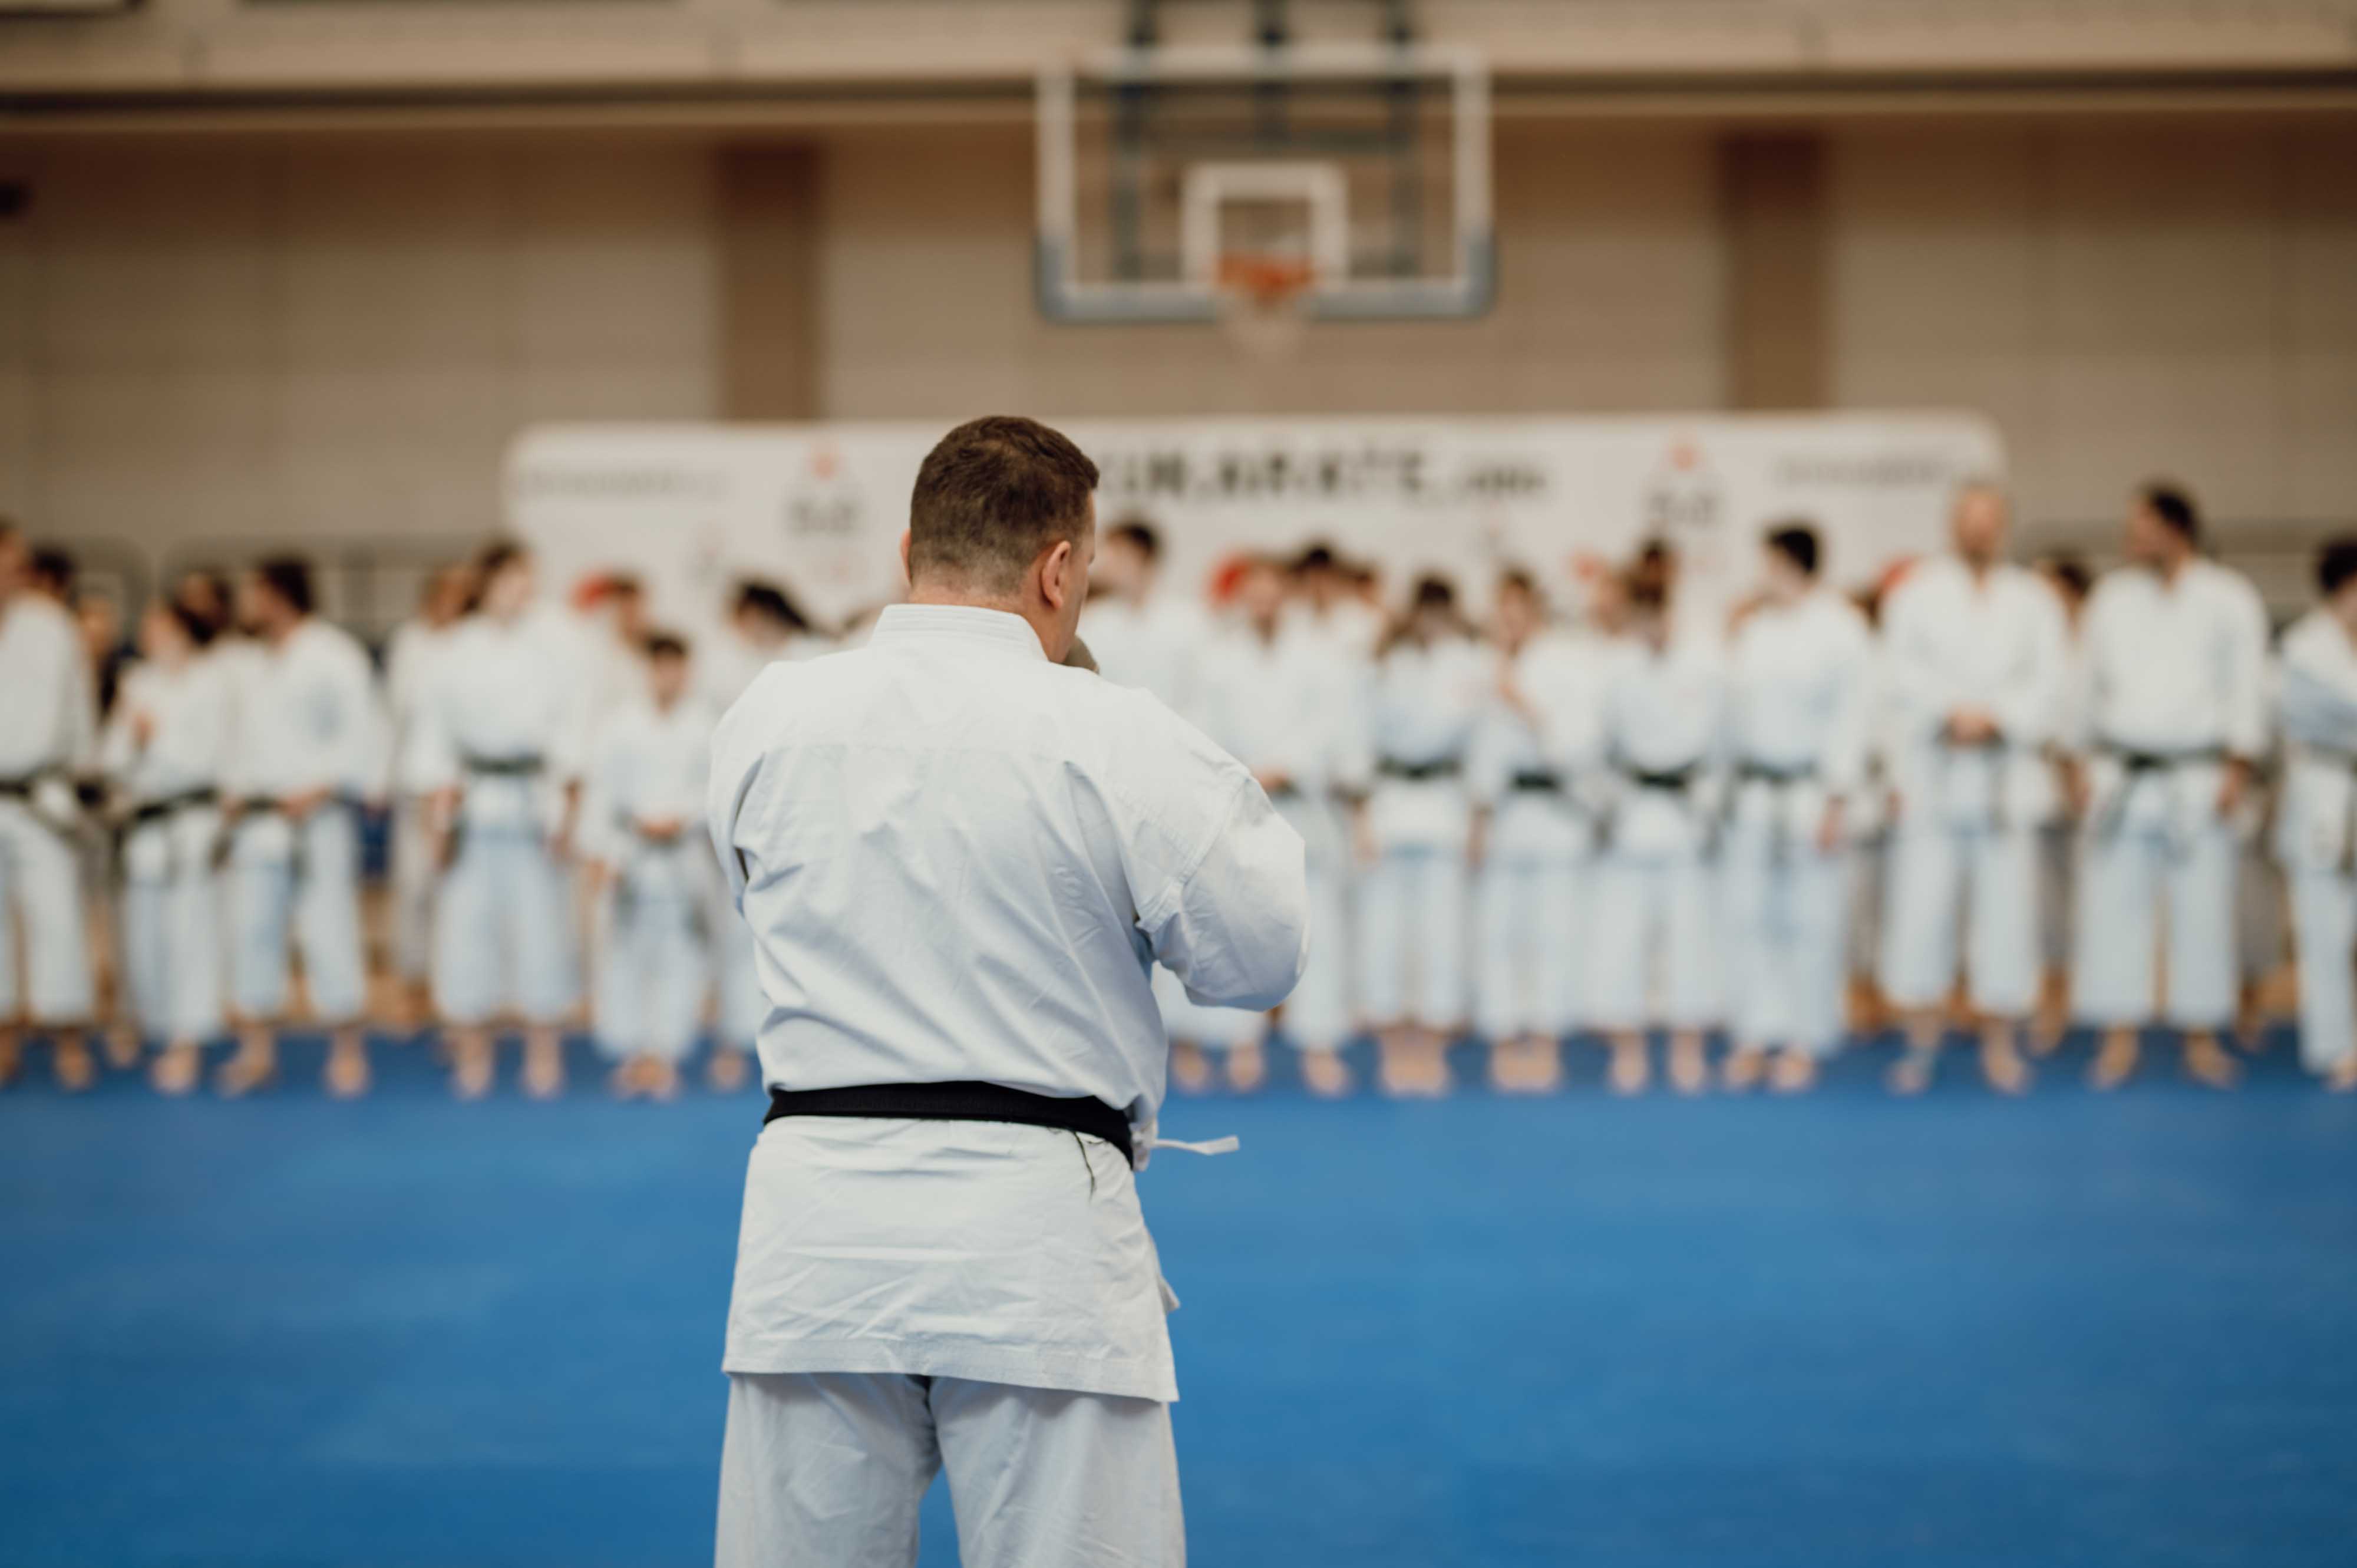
(1056, 573)
(906, 574)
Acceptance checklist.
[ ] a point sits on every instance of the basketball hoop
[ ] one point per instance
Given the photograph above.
(1262, 301)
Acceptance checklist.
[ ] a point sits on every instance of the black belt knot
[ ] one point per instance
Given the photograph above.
(1536, 781)
(1420, 772)
(523, 766)
(958, 1101)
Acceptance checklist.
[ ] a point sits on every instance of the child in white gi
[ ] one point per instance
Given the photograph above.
(2316, 832)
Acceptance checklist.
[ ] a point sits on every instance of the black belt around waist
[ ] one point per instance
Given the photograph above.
(21, 788)
(1420, 772)
(1536, 781)
(172, 805)
(1769, 773)
(961, 1102)
(2136, 762)
(1678, 780)
(504, 766)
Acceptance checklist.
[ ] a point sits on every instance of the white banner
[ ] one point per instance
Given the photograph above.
(690, 508)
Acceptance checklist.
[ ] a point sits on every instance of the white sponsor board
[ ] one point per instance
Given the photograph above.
(690, 508)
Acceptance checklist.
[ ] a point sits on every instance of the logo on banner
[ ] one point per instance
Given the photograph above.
(825, 518)
(1683, 503)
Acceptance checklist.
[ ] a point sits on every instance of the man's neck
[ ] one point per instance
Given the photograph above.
(957, 597)
(1265, 630)
(278, 635)
(2172, 567)
(1980, 566)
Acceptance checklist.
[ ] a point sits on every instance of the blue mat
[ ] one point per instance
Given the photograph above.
(1839, 1330)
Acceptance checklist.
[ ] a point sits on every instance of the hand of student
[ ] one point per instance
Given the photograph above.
(1829, 826)
(143, 728)
(2076, 790)
(1363, 840)
(1477, 840)
(2233, 786)
(1972, 727)
(302, 803)
(662, 830)
(1273, 780)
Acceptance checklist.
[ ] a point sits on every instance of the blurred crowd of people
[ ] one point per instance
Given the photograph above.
(1983, 794)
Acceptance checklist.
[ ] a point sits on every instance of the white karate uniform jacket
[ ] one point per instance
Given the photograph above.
(961, 862)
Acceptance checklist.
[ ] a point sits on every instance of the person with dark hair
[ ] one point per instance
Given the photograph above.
(1283, 702)
(1141, 633)
(48, 723)
(2316, 827)
(960, 858)
(652, 876)
(496, 746)
(53, 573)
(1327, 602)
(306, 746)
(2175, 718)
(1976, 656)
(411, 666)
(1800, 701)
(1537, 750)
(1662, 716)
(205, 594)
(1425, 700)
(165, 752)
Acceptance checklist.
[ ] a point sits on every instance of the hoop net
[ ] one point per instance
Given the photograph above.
(1262, 302)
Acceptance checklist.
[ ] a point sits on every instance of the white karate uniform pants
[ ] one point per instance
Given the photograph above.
(1648, 907)
(172, 958)
(41, 905)
(320, 909)
(827, 1470)
(1529, 958)
(651, 977)
(2324, 915)
(1786, 916)
(2125, 877)
(1412, 933)
(413, 875)
(1992, 872)
(504, 930)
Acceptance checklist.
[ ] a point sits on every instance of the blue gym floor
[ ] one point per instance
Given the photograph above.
(1839, 1330)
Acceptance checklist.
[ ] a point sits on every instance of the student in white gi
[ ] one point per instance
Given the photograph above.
(1285, 704)
(960, 859)
(2315, 829)
(1976, 657)
(418, 643)
(2058, 839)
(1661, 723)
(498, 743)
(1534, 838)
(652, 877)
(48, 725)
(166, 746)
(765, 625)
(308, 742)
(2175, 710)
(1430, 686)
(1327, 604)
(1140, 632)
(1798, 680)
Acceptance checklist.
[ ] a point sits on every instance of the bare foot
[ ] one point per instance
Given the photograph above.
(2001, 1064)
(544, 1064)
(661, 1079)
(1689, 1068)
(1326, 1074)
(726, 1070)
(2206, 1061)
(1190, 1070)
(253, 1068)
(175, 1071)
(1413, 1065)
(11, 1058)
(2115, 1063)
(124, 1047)
(473, 1066)
(1744, 1067)
(1793, 1072)
(1542, 1067)
(1632, 1069)
(1247, 1067)
(71, 1063)
(1912, 1073)
(347, 1077)
(2342, 1078)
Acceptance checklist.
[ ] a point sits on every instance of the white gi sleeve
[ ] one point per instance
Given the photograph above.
(352, 760)
(1849, 728)
(430, 756)
(2030, 706)
(1919, 687)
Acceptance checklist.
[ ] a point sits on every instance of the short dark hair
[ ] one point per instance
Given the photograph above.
(1646, 591)
(1433, 592)
(1137, 532)
(1319, 557)
(495, 557)
(2174, 507)
(2072, 573)
(54, 565)
(991, 495)
(770, 602)
(289, 578)
(198, 630)
(666, 644)
(1518, 580)
(2336, 564)
(1796, 543)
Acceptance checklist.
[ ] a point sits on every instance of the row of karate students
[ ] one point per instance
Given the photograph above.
(235, 758)
(1629, 829)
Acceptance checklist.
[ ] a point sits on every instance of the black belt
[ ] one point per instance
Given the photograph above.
(1678, 780)
(172, 805)
(523, 766)
(21, 788)
(2136, 762)
(961, 1101)
(1769, 773)
(1420, 772)
(1536, 781)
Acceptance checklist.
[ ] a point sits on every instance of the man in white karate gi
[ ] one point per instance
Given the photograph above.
(2316, 828)
(310, 740)
(960, 860)
(1977, 660)
(48, 731)
(2175, 713)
